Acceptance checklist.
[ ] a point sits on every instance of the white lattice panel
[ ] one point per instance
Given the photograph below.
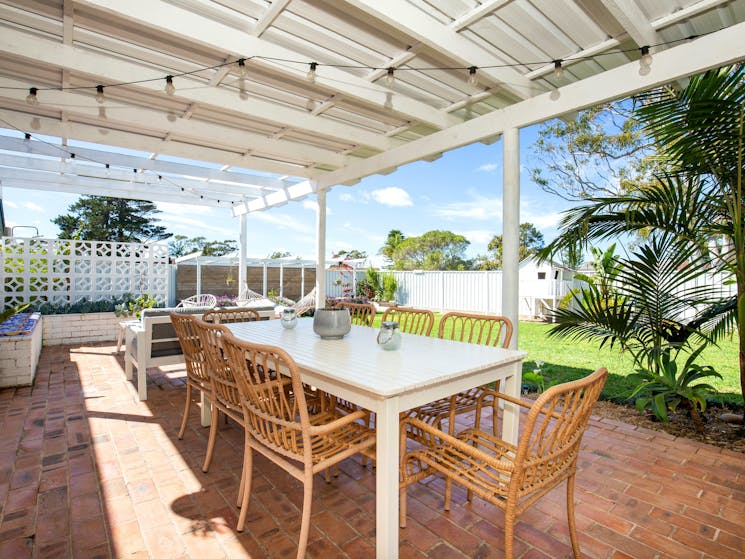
(65, 271)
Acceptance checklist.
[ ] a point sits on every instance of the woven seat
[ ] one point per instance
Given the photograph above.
(278, 423)
(197, 375)
(229, 316)
(362, 314)
(479, 329)
(411, 321)
(202, 300)
(508, 476)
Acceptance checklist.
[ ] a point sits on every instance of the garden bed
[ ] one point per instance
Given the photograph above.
(20, 347)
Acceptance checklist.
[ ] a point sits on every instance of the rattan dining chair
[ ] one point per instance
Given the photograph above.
(362, 314)
(197, 375)
(508, 476)
(226, 398)
(279, 425)
(411, 321)
(490, 330)
(229, 316)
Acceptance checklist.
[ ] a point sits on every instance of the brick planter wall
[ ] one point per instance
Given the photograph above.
(62, 329)
(19, 356)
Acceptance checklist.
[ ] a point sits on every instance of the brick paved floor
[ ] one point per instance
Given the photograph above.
(87, 472)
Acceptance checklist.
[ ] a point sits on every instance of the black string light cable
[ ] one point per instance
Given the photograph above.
(470, 71)
(70, 154)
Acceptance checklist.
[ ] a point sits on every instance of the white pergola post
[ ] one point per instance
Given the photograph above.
(321, 250)
(302, 280)
(242, 256)
(199, 277)
(264, 279)
(282, 279)
(511, 228)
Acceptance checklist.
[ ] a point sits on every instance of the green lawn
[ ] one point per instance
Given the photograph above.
(566, 360)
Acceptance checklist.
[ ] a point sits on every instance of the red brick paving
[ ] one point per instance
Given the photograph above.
(87, 472)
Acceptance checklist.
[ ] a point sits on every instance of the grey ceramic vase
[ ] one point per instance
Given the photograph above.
(332, 324)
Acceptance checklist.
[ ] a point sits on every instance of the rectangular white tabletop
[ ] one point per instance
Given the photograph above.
(388, 382)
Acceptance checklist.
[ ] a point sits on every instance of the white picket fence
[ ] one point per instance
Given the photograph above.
(470, 291)
(64, 271)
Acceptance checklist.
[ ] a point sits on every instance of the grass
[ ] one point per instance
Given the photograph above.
(565, 360)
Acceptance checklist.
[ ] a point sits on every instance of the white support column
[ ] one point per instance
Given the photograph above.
(321, 250)
(199, 277)
(264, 279)
(242, 255)
(282, 279)
(511, 228)
(302, 280)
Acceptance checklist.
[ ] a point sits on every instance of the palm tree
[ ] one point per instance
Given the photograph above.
(699, 129)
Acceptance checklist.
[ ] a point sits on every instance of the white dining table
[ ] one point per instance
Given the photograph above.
(424, 369)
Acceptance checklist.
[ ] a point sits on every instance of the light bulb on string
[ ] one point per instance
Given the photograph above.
(170, 89)
(472, 79)
(242, 70)
(99, 94)
(311, 75)
(31, 98)
(558, 69)
(389, 77)
(646, 59)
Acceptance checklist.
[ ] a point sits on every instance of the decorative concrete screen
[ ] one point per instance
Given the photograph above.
(64, 271)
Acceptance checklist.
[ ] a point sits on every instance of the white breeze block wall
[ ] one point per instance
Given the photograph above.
(19, 356)
(63, 329)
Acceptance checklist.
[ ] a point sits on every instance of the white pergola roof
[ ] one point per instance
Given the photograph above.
(274, 135)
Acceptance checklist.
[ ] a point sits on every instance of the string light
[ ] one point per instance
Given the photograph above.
(242, 70)
(389, 77)
(472, 80)
(31, 98)
(558, 69)
(646, 59)
(99, 93)
(170, 88)
(311, 75)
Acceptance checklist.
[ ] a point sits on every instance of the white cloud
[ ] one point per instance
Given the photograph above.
(392, 196)
(479, 207)
(33, 207)
(488, 167)
(346, 197)
(10, 204)
(313, 205)
(478, 236)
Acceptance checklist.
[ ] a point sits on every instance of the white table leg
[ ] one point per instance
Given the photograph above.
(511, 413)
(386, 488)
(206, 409)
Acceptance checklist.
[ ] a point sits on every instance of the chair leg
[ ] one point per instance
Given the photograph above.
(187, 407)
(212, 438)
(305, 522)
(402, 507)
(509, 532)
(570, 517)
(245, 484)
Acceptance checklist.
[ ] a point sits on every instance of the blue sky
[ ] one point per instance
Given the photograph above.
(460, 192)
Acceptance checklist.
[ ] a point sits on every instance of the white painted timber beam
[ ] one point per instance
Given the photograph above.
(110, 69)
(710, 51)
(138, 140)
(633, 20)
(412, 21)
(80, 106)
(224, 178)
(167, 19)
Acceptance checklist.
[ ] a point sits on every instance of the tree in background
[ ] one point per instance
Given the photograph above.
(603, 151)
(181, 245)
(395, 238)
(100, 218)
(435, 250)
(279, 254)
(353, 254)
(531, 241)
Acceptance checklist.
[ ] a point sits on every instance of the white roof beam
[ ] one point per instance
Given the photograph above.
(271, 14)
(168, 19)
(108, 69)
(477, 13)
(430, 32)
(21, 120)
(710, 51)
(156, 165)
(633, 20)
(76, 103)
